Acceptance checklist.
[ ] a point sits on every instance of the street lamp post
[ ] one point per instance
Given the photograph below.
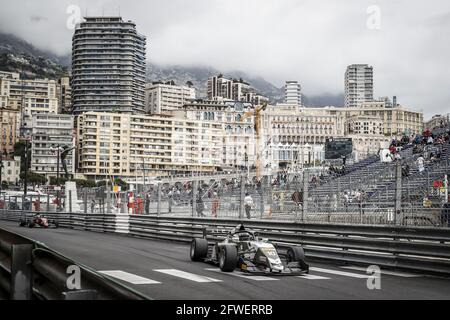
(1, 169)
(25, 177)
(57, 148)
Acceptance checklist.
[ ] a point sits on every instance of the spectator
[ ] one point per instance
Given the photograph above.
(140, 205)
(346, 201)
(37, 205)
(147, 203)
(420, 164)
(248, 202)
(200, 205)
(93, 205)
(405, 171)
(131, 209)
(215, 204)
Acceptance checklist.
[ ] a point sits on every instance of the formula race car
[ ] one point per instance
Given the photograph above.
(245, 250)
(37, 220)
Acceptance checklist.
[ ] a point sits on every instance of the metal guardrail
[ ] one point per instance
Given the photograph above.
(29, 270)
(425, 249)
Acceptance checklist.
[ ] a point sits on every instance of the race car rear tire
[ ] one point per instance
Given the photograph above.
(22, 223)
(228, 258)
(199, 249)
(31, 225)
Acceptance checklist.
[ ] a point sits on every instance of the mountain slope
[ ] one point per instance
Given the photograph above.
(17, 55)
(199, 75)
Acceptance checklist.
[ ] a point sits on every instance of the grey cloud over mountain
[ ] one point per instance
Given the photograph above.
(311, 41)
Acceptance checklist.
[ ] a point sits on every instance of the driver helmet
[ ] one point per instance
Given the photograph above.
(245, 236)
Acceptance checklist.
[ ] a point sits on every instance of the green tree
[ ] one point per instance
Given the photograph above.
(33, 177)
(82, 183)
(59, 181)
(121, 183)
(19, 151)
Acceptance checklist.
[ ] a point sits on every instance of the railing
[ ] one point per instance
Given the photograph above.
(424, 249)
(30, 270)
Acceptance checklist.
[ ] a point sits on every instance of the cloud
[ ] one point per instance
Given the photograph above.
(311, 41)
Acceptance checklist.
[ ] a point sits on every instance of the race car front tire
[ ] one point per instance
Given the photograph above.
(199, 249)
(228, 258)
(296, 254)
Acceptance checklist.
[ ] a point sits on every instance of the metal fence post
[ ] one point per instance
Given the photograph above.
(108, 198)
(398, 191)
(305, 194)
(241, 199)
(21, 272)
(48, 202)
(194, 197)
(85, 202)
(70, 201)
(158, 204)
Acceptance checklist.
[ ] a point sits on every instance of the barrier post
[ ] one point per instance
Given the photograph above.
(21, 272)
(398, 191)
(48, 202)
(158, 204)
(194, 198)
(241, 199)
(305, 194)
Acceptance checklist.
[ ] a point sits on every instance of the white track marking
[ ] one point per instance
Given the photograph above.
(242, 275)
(187, 275)
(312, 277)
(128, 277)
(391, 273)
(340, 273)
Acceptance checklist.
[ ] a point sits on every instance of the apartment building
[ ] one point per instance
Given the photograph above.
(49, 132)
(358, 85)
(293, 95)
(237, 123)
(11, 170)
(165, 97)
(396, 121)
(108, 66)
(29, 96)
(294, 136)
(9, 129)
(133, 146)
(64, 95)
(220, 88)
(437, 120)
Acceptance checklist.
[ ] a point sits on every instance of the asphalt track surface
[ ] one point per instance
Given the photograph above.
(163, 270)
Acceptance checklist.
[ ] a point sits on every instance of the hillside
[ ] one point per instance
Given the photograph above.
(17, 55)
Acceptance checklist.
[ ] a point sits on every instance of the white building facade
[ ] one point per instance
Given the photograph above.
(49, 131)
(293, 95)
(166, 97)
(358, 85)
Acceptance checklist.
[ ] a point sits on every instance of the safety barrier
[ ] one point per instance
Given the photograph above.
(30, 270)
(424, 249)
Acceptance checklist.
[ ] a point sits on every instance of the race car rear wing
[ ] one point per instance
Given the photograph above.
(216, 232)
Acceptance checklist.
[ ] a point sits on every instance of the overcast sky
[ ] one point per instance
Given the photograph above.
(307, 40)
